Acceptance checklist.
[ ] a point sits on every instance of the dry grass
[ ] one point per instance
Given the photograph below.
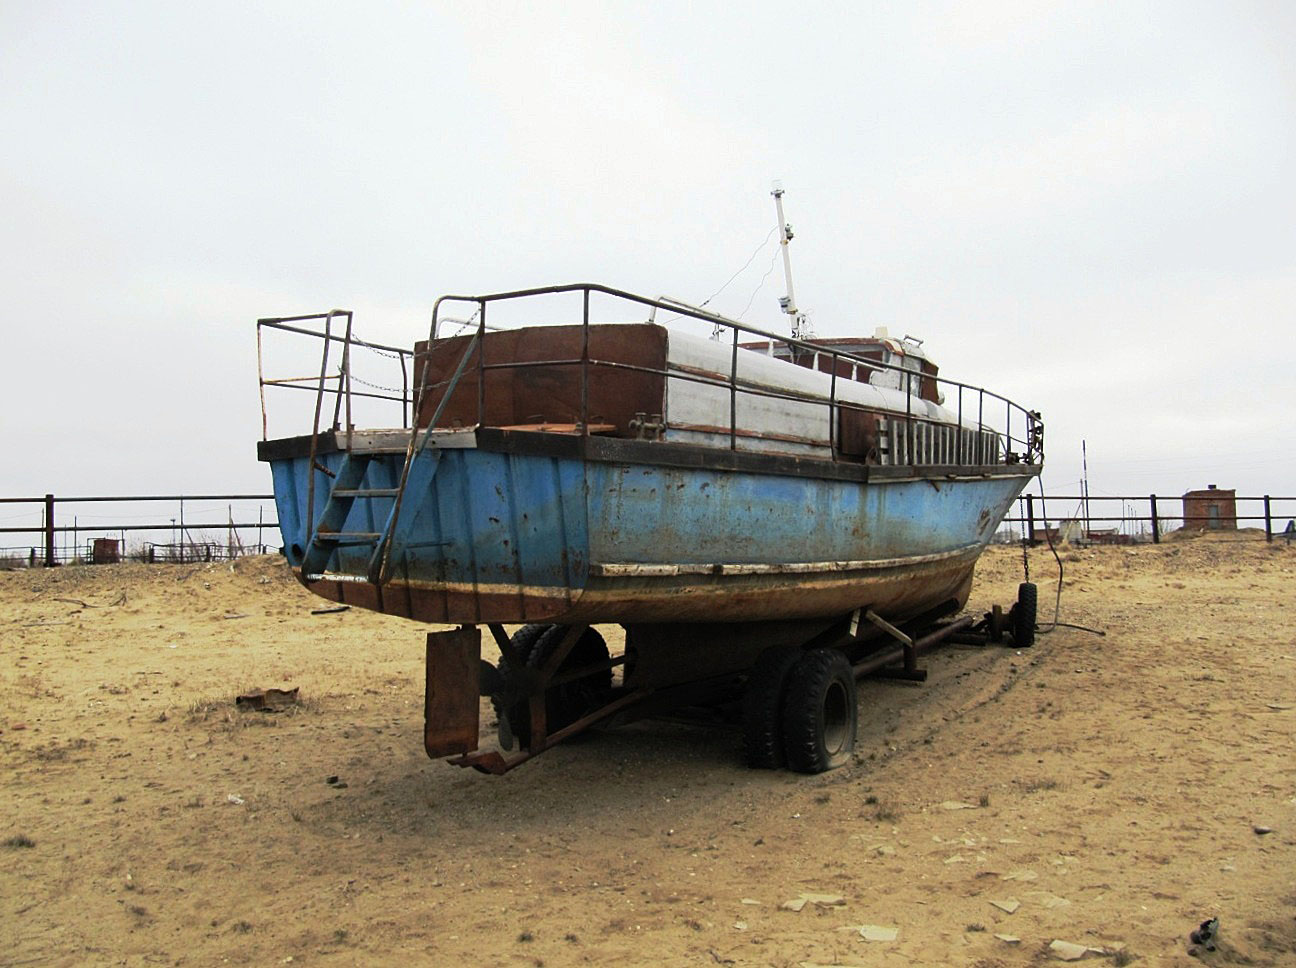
(221, 712)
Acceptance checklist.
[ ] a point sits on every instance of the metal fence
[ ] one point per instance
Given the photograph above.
(152, 527)
(1130, 519)
(179, 528)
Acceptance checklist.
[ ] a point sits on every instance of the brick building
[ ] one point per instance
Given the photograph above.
(1210, 510)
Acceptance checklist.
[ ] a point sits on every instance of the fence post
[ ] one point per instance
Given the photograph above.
(1030, 517)
(49, 531)
(1268, 520)
(1156, 524)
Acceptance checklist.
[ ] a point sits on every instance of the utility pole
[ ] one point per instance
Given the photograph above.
(1084, 484)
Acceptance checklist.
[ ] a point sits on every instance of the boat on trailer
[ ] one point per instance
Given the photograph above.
(767, 517)
(749, 508)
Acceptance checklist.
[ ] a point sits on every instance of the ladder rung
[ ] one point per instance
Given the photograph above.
(333, 576)
(367, 492)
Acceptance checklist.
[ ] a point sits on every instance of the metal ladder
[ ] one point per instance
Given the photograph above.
(327, 536)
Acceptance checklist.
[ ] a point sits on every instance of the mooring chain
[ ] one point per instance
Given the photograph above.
(369, 346)
(378, 386)
(381, 352)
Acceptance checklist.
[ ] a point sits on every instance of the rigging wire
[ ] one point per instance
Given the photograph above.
(759, 286)
(750, 259)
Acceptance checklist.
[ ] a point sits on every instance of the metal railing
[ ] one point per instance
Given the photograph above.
(340, 383)
(916, 441)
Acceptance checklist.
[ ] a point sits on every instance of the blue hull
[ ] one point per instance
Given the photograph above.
(506, 536)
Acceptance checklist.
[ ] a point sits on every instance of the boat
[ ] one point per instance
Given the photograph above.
(765, 516)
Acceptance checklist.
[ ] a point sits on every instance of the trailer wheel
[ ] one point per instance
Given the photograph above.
(1024, 615)
(763, 707)
(819, 713)
(570, 701)
(516, 717)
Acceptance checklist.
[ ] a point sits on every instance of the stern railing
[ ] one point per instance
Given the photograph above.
(1020, 432)
(1022, 438)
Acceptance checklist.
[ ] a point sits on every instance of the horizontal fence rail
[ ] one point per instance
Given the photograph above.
(189, 535)
(1096, 519)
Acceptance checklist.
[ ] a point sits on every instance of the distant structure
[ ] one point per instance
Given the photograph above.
(1210, 510)
(105, 551)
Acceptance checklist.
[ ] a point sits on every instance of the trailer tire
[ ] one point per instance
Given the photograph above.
(820, 712)
(763, 707)
(570, 701)
(1024, 615)
(516, 717)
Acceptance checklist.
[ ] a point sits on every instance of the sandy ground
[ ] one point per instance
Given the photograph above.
(1108, 789)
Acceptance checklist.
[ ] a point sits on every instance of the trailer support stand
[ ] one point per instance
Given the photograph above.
(450, 707)
(908, 651)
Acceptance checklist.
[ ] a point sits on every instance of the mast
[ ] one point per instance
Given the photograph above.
(800, 322)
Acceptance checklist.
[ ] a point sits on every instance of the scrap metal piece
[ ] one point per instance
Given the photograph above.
(268, 700)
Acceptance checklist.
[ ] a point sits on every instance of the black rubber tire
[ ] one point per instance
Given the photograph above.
(1024, 615)
(820, 712)
(569, 702)
(762, 708)
(519, 716)
(524, 640)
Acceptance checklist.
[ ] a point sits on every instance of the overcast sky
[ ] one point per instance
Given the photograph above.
(1087, 207)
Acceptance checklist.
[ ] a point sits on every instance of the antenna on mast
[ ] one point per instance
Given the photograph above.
(800, 322)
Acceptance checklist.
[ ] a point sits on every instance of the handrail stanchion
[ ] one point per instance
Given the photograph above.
(585, 362)
(833, 442)
(344, 383)
(481, 364)
(960, 424)
(406, 402)
(314, 447)
(980, 445)
(1008, 430)
(909, 427)
(733, 391)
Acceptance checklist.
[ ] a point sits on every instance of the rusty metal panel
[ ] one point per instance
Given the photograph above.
(450, 706)
(549, 394)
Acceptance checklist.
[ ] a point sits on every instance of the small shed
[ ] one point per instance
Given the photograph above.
(105, 551)
(1213, 509)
